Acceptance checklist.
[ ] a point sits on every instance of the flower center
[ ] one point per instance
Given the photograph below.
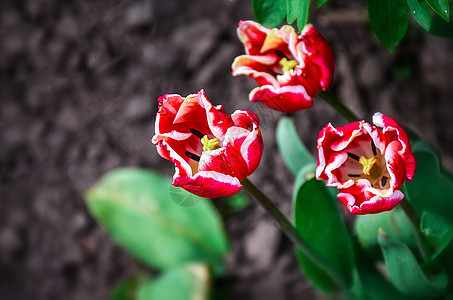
(373, 169)
(367, 164)
(288, 65)
(210, 144)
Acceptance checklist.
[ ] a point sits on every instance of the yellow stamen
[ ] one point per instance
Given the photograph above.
(210, 144)
(288, 65)
(367, 164)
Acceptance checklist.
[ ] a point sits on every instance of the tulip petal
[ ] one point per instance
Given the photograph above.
(209, 184)
(177, 141)
(252, 35)
(336, 160)
(346, 135)
(252, 147)
(290, 36)
(331, 140)
(395, 164)
(257, 67)
(378, 204)
(319, 52)
(377, 136)
(362, 199)
(227, 160)
(390, 126)
(182, 167)
(281, 40)
(245, 119)
(218, 121)
(284, 99)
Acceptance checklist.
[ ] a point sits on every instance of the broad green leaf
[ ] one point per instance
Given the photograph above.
(404, 271)
(183, 283)
(389, 20)
(127, 290)
(319, 221)
(442, 28)
(395, 223)
(135, 207)
(270, 13)
(438, 231)
(446, 261)
(431, 189)
(320, 2)
(441, 7)
(306, 173)
(293, 151)
(369, 284)
(298, 9)
(293, 10)
(420, 12)
(303, 18)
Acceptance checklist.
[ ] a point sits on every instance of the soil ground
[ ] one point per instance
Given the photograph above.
(78, 87)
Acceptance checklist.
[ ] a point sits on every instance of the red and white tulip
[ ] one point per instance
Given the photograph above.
(367, 164)
(291, 69)
(212, 151)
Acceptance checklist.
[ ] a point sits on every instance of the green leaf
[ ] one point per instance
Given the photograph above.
(127, 289)
(395, 223)
(404, 271)
(441, 7)
(293, 10)
(270, 13)
(135, 207)
(318, 220)
(442, 28)
(438, 231)
(291, 148)
(320, 2)
(431, 189)
(447, 263)
(369, 284)
(389, 20)
(420, 12)
(183, 283)
(306, 173)
(303, 18)
(298, 9)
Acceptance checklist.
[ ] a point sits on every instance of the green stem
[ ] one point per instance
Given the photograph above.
(292, 233)
(412, 216)
(336, 104)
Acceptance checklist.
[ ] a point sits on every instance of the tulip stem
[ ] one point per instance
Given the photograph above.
(412, 216)
(292, 233)
(331, 99)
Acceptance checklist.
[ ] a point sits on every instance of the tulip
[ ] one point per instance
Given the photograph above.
(367, 164)
(291, 69)
(212, 151)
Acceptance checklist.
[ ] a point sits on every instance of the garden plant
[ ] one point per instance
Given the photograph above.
(396, 242)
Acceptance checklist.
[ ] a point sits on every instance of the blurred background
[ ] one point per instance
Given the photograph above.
(78, 87)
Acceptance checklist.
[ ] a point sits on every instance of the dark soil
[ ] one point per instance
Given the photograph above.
(78, 89)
